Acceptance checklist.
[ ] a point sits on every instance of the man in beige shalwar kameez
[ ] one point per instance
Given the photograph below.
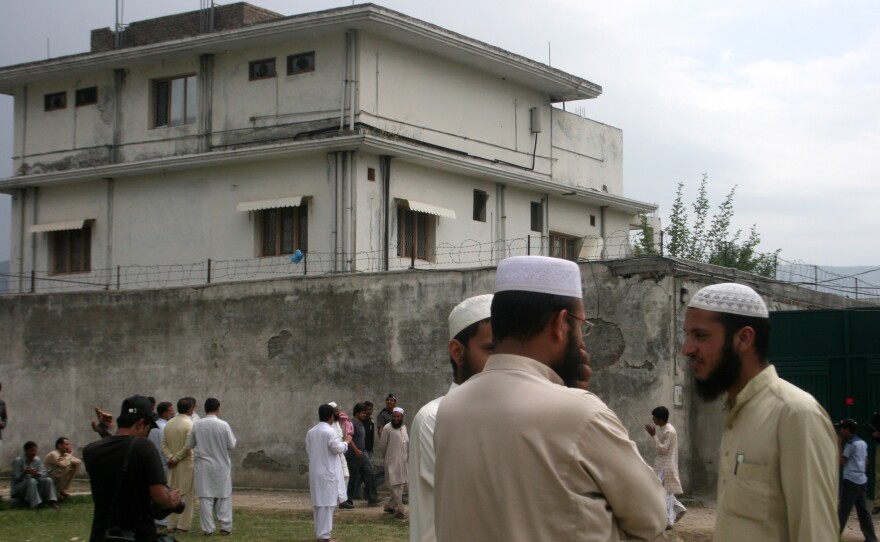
(778, 463)
(524, 452)
(180, 462)
(394, 449)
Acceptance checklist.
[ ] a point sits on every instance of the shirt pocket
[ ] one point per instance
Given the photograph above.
(748, 492)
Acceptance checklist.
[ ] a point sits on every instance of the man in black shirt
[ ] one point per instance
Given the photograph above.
(123, 502)
(358, 463)
(369, 428)
(384, 417)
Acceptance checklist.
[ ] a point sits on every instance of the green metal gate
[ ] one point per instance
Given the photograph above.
(835, 356)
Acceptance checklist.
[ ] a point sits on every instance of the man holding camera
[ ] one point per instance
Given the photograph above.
(127, 479)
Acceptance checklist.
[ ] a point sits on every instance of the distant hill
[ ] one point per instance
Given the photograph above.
(4, 280)
(861, 282)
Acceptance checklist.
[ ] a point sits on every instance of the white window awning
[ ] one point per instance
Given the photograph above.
(294, 201)
(421, 207)
(77, 224)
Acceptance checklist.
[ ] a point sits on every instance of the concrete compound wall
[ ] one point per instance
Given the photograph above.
(272, 351)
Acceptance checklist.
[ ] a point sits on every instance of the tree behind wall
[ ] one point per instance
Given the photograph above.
(707, 240)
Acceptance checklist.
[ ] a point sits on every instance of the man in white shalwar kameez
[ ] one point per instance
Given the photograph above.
(165, 410)
(340, 430)
(665, 440)
(211, 441)
(470, 345)
(326, 483)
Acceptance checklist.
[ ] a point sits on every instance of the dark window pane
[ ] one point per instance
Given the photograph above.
(75, 251)
(86, 96)
(261, 69)
(287, 230)
(303, 62)
(60, 242)
(268, 233)
(422, 235)
(87, 249)
(303, 232)
(57, 100)
(480, 198)
(162, 103)
(537, 218)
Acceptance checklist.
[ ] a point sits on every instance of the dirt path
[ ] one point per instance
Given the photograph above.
(696, 526)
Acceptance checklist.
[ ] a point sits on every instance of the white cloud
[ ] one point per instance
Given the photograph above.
(780, 98)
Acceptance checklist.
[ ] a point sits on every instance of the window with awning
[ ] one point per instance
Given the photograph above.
(283, 224)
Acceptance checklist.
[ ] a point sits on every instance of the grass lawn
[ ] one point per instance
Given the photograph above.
(72, 523)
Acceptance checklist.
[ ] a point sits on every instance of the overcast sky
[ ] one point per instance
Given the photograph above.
(780, 98)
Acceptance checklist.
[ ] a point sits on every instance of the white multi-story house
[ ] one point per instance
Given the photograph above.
(364, 138)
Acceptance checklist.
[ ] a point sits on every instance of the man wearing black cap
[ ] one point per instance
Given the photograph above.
(126, 475)
(384, 417)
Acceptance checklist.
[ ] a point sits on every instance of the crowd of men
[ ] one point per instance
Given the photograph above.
(144, 472)
(518, 449)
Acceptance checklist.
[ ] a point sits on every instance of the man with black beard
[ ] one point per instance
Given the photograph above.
(470, 345)
(394, 449)
(777, 474)
(524, 452)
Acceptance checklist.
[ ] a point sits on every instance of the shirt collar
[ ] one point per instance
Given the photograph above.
(754, 386)
(512, 362)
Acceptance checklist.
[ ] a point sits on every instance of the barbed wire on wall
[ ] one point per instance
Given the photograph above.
(854, 286)
(467, 253)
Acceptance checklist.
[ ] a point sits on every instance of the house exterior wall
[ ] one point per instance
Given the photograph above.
(587, 153)
(244, 110)
(417, 95)
(274, 350)
(184, 215)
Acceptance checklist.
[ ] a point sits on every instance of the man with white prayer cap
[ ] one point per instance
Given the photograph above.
(470, 345)
(777, 474)
(524, 452)
(338, 425)
(394, 447)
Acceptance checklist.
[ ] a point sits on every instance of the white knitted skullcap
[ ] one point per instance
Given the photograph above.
(470, 311)
(397, 409)
(331, 403)
(730, 298)
(540, 274)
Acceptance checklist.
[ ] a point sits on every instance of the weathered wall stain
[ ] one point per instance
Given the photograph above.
(259, 460)
(278, 343)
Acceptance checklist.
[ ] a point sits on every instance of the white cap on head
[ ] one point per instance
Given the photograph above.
(470, 311)
(540, 274)
(730, 298)
(331, 403)
(397, 409)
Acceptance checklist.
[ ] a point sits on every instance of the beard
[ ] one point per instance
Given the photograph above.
(723, 376)
(571, 367)
(396, 425)
(336, 417)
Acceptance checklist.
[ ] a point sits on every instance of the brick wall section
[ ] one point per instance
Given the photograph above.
(181, 25)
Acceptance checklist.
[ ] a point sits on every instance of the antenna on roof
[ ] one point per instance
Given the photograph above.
(120, 15)
(206, 16)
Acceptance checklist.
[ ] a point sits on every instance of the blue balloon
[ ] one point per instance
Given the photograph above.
(297, 256)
